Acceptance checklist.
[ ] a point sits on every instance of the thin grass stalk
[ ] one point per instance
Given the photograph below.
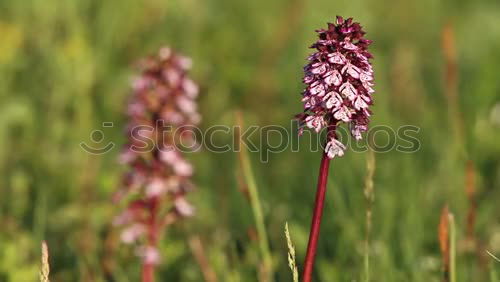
(40, 215)
(453, 274)
(45, 269)
(198, 251)
(255, 203)
(493, 273)
(470, 190)
(449, 49)
(291, 255)
(369, 193)
(447, 243)
(493, 256)
(444, 243)
(473, 244)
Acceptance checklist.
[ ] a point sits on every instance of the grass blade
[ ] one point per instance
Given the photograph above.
(45, 269)
(453, 275)
(447, 244)
(291, 255)
(444, 242)
(254, 202)
(369, 197)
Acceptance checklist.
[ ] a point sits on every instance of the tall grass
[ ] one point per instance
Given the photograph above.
(369, 193)
(453, 249)
(45, 267)
(199, 253)
(447, 242)
(291, 255)
(249, 177)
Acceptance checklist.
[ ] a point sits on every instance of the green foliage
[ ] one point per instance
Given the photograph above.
(65, 69)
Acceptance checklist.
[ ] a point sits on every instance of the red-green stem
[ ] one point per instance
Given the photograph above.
(148, 268)
(316, 219)
(148, 272)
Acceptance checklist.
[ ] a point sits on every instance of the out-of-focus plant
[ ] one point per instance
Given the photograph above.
(160, 112)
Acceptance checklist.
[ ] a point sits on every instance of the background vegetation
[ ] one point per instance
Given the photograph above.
(65, 68)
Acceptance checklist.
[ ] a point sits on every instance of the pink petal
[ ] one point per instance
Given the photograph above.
(359, 103)
(349, 46)
(318, 68)
(343, 114)
(337, 58)
(348, 90)
(365, 76)
(334, 148)
(333, 77)
(334, 101)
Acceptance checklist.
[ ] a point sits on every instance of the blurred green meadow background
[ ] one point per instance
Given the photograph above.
(65, 68)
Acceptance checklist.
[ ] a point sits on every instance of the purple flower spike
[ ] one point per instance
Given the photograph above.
(339, 83)
(158, 177)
